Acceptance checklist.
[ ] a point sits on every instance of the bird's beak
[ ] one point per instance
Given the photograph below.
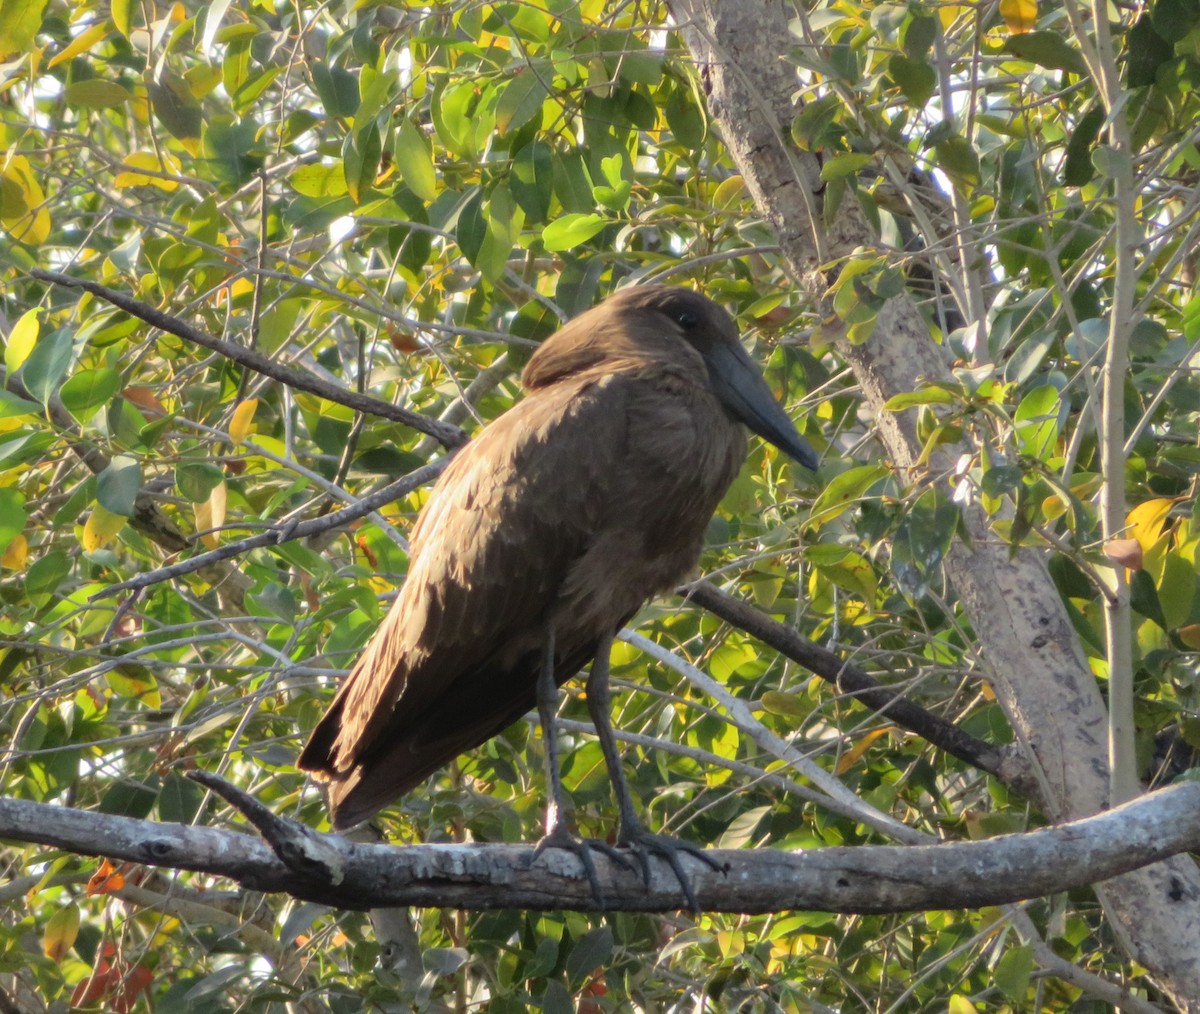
(742, 389)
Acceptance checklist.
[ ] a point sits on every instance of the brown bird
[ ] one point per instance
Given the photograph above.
(542, 538)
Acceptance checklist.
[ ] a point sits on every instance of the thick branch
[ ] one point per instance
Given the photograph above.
(300, 380)
(328, 869)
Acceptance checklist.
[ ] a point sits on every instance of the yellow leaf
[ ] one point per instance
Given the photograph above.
(61, 930)
(241, 425)
(80, 44)
(1019, 15)
(22, 339)
(100, 528)
(1146, 521)
(959, 1004)
(22, 203)
(1190, 635)
(16, 554)
(121, 11)
(210, 516)
(854, 754)
(147, 160)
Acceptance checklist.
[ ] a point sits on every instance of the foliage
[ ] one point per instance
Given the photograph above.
(405, 199)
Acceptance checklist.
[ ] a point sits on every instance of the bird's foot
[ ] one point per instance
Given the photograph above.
(643, 844)
(561, 838)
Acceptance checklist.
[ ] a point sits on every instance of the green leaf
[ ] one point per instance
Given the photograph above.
(19, 22)
(520, 99)
(594, 949)
(195, 480)
(414, 161)
(845, 489)
(916, 78)
(1028, 357)
(1046, 49)
(174, 107)
(1077, 167)
(919, 36)
(1112, 162)
(1013, 972)
(1002, 479)
(321, 180)
(360, 160)
(568, 231)
(96, 93)
(532, 180)
(843, 165)
(14, 405)
(1147, 52)
(48, 363)
(1175, 20)
(928, 395)
(1036, 420)
(117, 486)
(958, 158)
(786, 705)
(46, 574)
(336, 87)
(555, 999)
(87, 390)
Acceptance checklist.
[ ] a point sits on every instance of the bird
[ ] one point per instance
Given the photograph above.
(543, 537)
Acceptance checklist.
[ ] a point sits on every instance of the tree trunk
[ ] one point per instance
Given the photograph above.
(1036, 664)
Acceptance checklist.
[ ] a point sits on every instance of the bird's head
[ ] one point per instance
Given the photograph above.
(656, 320)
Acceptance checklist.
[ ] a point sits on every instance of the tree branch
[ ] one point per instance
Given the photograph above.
(284, 533)
(852, 681)
(328, 869)
(449, 436)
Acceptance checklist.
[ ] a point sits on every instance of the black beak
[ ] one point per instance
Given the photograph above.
(739, 384)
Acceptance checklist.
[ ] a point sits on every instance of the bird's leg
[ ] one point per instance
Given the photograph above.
(547, 705)
(558, 835)
(630, 830)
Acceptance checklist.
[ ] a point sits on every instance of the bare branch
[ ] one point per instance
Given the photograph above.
(857, 878)
(300, 380)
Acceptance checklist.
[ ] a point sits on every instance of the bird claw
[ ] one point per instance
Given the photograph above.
(643, 844)
(561, 838)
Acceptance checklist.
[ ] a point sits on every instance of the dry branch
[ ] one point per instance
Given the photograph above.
(328, 869)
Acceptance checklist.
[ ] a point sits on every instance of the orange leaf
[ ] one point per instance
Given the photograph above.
(1190, 635)
(854, 754)
(105, 880)
(16, 554)
(146, 400)
(1127, 552)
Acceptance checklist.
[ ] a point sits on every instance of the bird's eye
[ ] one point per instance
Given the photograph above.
(686, 319)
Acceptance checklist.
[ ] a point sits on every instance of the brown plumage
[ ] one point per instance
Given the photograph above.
(560, 518)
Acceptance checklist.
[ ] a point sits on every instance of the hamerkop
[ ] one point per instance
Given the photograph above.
(542, 538)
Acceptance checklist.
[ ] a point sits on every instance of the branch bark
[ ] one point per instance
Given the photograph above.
(1039, 670)
(330, 870)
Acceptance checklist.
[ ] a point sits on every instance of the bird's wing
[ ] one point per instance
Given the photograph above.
(502, 528)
